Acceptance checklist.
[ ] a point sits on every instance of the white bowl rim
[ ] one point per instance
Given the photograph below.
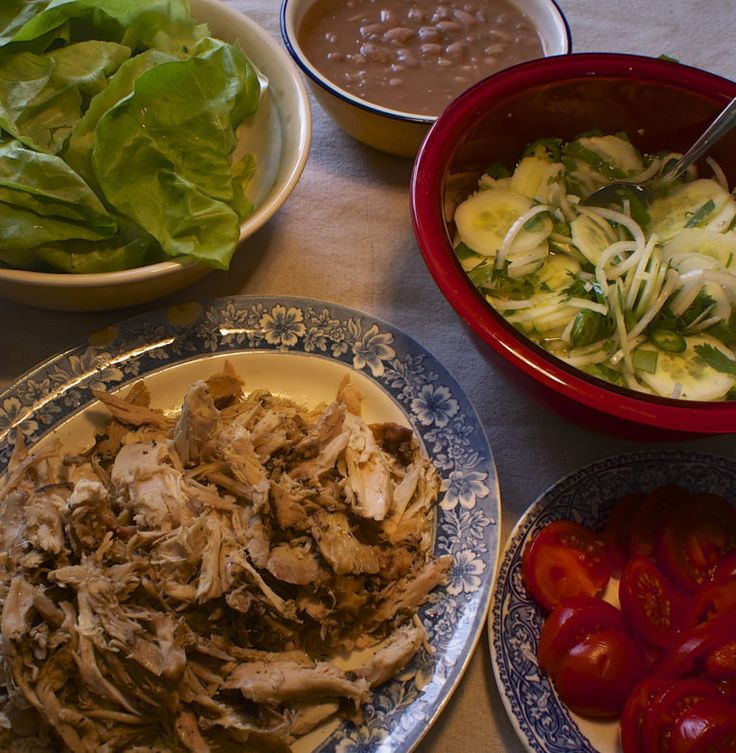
(252, 223)
(288, 34)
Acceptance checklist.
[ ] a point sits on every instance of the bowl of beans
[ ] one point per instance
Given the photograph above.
(620, 315)
(384, 70)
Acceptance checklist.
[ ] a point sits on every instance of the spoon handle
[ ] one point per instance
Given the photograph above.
(725, 121)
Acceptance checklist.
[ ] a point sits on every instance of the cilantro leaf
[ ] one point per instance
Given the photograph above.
(498, 170)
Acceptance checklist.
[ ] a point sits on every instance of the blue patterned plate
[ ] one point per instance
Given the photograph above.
(303, 348)
(542, 722)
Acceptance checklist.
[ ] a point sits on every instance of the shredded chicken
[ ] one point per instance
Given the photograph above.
(188, 584)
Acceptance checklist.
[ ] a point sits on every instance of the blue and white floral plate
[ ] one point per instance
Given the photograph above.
(542, 722)
(303, 348)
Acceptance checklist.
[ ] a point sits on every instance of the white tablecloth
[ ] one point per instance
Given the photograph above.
(345, 235)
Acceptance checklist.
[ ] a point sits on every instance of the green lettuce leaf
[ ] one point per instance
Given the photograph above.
(135, 23)
(162, 155)
(102, 105)
(81, 142)
(21, 233)
(128, 249)
(45, 185)
(41, 96)
(14, 14)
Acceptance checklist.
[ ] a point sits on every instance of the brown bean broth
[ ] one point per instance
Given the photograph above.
(414, 55)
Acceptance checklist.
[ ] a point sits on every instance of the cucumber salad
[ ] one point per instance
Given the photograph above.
(640, 296)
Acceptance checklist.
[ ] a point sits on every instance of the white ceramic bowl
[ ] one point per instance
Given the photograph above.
(395, 131)
(279, 135)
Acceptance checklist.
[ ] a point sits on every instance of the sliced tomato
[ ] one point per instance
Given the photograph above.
(694, 539)
(650, 603)
(711, 600)
(569, 622)
(596, 675)
(720, 739)
(720, 662)
(726, 568)
(648, 519)
(617, 532)
(689, 654)
(707, 727)
(565, 559)
(634, 711)
(727, 688)
(668, 706)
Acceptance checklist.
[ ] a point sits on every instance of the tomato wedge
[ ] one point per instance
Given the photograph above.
(650, 603)
(665, 709)
(695, 538)
(727, 688)
(596, 675)
(569, 622)
(720, 662)
(634, 711)
(690, 653)
(725, 569)
(565, 559)
(711, 600)
(707, 727)
(648, 520)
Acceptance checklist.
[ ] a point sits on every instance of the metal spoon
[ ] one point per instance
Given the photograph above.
(612, 193)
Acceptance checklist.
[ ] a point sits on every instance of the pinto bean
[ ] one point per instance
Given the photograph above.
(400, 35)
(456, 51)
(429, 34)
(431, 49)
(464, 18)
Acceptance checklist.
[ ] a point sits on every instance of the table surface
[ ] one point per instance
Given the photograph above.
(345, 235)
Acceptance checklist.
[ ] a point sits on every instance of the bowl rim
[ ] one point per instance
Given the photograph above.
(288, 34)
(426, 193)
(275, 198)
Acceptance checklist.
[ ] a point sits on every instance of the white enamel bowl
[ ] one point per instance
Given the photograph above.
(395, 131)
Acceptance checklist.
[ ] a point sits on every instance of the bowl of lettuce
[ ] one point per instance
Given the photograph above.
(141, 142)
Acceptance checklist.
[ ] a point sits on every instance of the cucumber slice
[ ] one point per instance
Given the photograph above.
(534, 234)
(558, 271)
(539, 320)
(725, 216)
(590, 237)
(671, 213)
(525, 264)
(686, 374)
(534, 176)
(484, 219)
(616, 151)
(700, 242)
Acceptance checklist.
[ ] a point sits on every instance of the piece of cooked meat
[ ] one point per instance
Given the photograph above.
(275, 682)
(187, 586)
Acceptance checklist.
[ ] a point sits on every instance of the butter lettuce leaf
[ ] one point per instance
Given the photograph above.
(118, 125)
(78, 153)
(41, 96)
(21, 233)
(162, 154)
(45, 185)
(14, 14)
(135, 23)
(128, 248)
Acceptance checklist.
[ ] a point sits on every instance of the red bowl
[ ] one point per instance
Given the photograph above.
(660, 104)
